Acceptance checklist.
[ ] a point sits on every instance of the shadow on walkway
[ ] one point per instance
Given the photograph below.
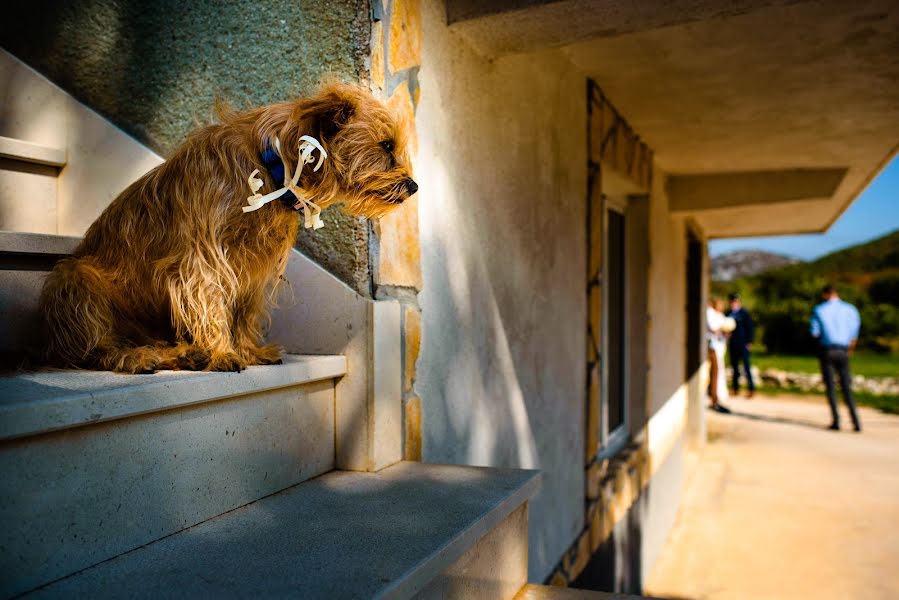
(781, 420)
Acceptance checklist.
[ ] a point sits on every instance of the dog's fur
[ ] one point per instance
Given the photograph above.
(173, 275)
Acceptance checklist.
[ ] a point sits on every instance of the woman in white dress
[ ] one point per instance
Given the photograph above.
(717, 328)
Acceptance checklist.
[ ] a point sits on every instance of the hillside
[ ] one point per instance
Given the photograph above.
(877, 255)
(744, 263)
(872, 266)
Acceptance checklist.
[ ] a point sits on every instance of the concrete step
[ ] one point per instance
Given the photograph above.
(409, 531)
(93, 464)
(25, 151)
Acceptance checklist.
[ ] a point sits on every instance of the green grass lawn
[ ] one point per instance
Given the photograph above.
(867, 364)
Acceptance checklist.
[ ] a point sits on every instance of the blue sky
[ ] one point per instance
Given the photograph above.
(873, 214)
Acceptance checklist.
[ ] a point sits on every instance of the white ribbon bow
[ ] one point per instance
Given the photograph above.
(311, 210)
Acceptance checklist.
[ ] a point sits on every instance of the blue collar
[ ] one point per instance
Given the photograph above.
(275, 167)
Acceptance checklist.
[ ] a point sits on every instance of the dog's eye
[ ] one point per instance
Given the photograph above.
(387, 145)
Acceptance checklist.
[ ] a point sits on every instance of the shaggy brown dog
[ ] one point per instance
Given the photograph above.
(174, 274)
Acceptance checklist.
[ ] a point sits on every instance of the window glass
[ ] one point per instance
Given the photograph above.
(617, 320)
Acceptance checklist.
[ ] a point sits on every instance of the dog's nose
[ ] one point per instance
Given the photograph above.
(411, 186)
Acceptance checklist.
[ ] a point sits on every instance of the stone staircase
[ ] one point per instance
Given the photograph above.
(95, 464)
(229, 484)
(234, 484)
(191, 484)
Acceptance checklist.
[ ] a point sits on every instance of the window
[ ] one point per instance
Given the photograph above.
(615, 322)
(614, 404)
(695, 313)
(618, 248)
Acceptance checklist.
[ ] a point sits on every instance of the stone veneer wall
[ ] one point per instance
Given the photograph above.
(155, 68)
(395, 248)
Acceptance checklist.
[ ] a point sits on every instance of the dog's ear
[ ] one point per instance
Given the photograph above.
(332, 108)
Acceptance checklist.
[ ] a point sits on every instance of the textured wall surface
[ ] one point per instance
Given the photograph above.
(502, 163)
(667, 299)
(155, 68)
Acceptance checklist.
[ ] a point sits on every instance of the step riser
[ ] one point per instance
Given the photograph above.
(19, 322)
(27, 196)
(74, 498)
(493, 569)
(25, 261)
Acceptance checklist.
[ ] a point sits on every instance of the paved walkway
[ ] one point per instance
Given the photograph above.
(779, 507)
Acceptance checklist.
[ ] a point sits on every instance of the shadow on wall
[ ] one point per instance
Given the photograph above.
(478, 413)
(499, 379)
(483, 434)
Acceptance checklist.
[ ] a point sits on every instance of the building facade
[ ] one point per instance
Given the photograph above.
(574, 158)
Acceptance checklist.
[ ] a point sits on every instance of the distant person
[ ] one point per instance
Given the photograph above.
(717, 328)
(740, 343)
(835, 325)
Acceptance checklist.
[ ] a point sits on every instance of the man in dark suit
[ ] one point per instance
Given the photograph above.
(740, 343)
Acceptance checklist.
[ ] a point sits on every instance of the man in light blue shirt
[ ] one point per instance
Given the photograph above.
(835, 324)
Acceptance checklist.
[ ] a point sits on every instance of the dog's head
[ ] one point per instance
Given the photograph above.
(368, 166)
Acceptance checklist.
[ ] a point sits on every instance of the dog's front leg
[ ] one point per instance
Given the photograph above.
(249, 316)
(202, 292)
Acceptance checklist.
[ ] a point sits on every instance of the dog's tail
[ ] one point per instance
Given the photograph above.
(76, 311)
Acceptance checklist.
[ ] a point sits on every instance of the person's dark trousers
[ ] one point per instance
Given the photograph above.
(836, 358)
(740, 356)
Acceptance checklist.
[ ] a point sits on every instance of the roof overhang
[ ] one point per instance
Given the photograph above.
(768, 116)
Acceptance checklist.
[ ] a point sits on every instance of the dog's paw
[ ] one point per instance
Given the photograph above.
(137, 361)
(267, 355)
(228, 361)
(193, 359)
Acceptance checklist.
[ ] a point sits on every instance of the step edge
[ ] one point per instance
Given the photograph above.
(30, 243)
(23, 150)
(74, 410)
(420, 575)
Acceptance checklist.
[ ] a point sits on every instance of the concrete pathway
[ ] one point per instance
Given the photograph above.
(779, 507)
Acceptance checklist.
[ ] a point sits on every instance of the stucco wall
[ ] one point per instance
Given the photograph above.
(668, 396)
(667, 299)
(502, 169)
(662, 500)
(154, 69)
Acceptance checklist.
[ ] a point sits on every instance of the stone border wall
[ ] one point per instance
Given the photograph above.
(612, 488)
(614, 143)
(395, 245)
